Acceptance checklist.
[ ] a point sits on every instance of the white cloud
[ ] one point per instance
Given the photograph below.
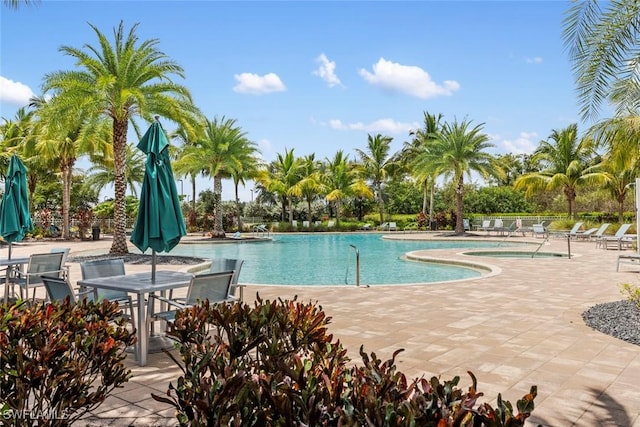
(258, 85)
(14, 92)
(534, 60)
(407, 79)
(381, 126)
(526, 143)
(326, 71)
(265, 146)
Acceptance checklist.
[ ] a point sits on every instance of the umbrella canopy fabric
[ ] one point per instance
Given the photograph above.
(159, 224)
(15, 221)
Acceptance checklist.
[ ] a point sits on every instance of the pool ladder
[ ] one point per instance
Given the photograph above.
(357, 267)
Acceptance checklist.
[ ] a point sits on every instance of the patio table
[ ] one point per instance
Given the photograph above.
(11, 264)
(141, 285)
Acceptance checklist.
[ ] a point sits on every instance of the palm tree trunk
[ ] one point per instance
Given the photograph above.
(431, 201)
(238, 207)
(218, 229)
(380, 202)
(66, 169)
(290, 204)
(425, 190)
(119, 245)
(193, 192)
(459, 206)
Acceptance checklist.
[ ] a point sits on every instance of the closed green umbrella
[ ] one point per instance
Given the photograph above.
(159, 224)
(15, 221)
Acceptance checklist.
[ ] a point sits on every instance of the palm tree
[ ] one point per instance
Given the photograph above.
(342, 180)
(20, 136)
(620, 136)
(410, 155)
(246, 168)
(101, 173)
(567, 163)
(603, 45)
(377, 164)
(457, 150)
(282, 177)
(310, 184)
(15, 4)
(187, 137)
(217, 154)
(62, 140)
(120, 81)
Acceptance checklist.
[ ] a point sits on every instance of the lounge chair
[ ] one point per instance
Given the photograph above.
(539, 230)
(485, 226)
(617, 240)
(466, 224)
(498, 226)
(331, 224)
(633, 259)
(384, 226)
(305, 224)
(576, 227)
(367, 226)
(592, 233)
(585, 234)
(393, 226)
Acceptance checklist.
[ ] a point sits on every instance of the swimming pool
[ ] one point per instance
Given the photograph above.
(328, 259)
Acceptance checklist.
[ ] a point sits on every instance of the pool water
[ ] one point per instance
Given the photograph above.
(328, 259)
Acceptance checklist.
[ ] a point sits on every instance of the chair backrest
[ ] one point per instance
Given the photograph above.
(538, 228)
(602, 229)
(498, 223)
(392, 226)
(466, 224)
(575, 228)
(211, 286)
(65, 253)
(58, 289)
(227, 264)
(622, 230)
(486, 223)
(47, 264)
(104, 268)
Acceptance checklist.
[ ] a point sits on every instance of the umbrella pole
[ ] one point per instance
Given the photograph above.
(9, 254)
(153, 265)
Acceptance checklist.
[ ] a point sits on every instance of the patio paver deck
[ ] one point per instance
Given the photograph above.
(514, 329)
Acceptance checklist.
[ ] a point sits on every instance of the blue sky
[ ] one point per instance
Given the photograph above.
(320, 76)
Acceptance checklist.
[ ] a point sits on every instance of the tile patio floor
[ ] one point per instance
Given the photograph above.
(514, 328)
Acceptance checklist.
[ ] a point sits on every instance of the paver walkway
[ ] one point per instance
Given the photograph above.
(518, 327)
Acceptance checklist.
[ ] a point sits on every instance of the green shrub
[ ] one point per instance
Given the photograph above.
(59, 361)
(276, 364)
(632, 293)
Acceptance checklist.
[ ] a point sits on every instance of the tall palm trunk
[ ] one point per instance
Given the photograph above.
(459, 206)
(431, 201)
(67, 174)
(571, 200)
(193, 192)
(119, 245)
(380, 201)
(238, 207)
(290, 204)
(218, 229)
(425, 190)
